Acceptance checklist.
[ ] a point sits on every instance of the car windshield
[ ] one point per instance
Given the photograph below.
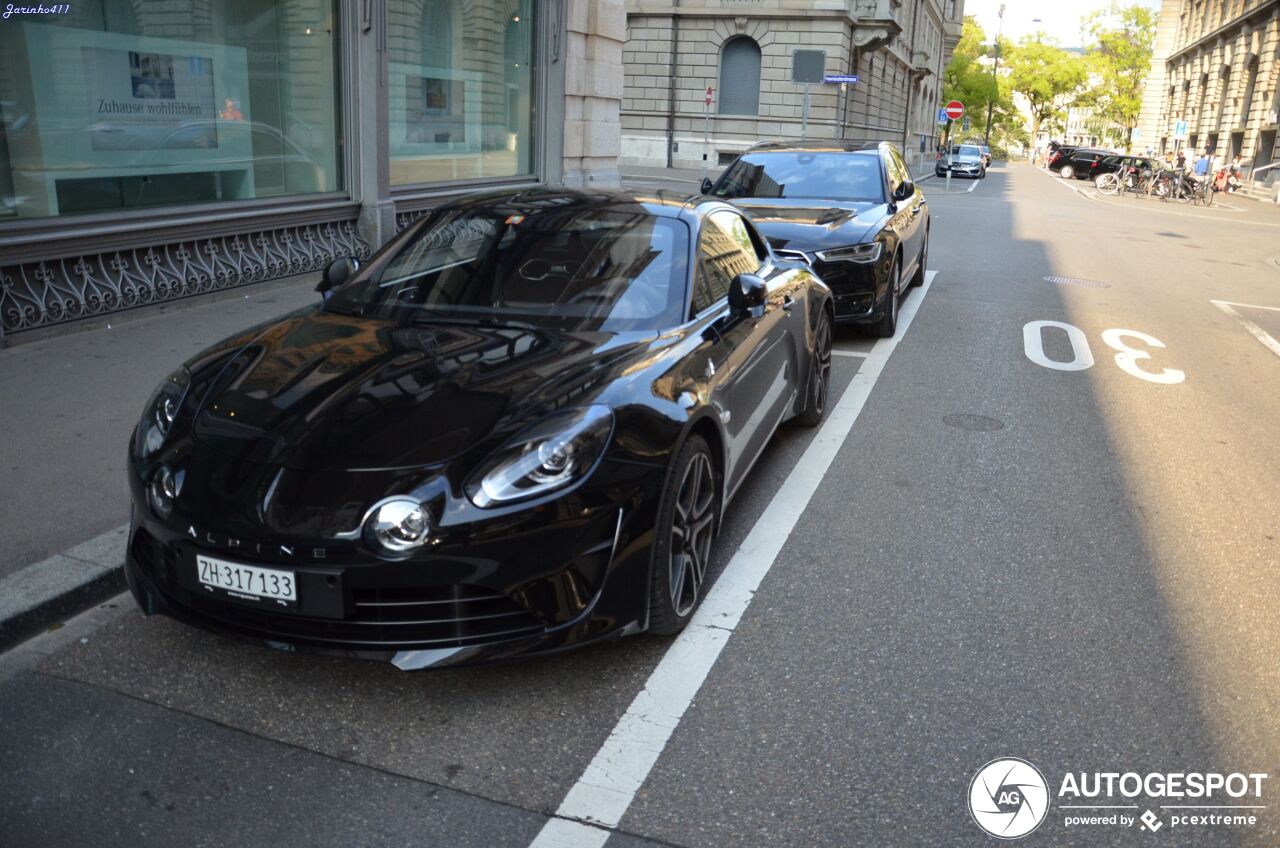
(968, 150)
(580, 269)
(838, 176)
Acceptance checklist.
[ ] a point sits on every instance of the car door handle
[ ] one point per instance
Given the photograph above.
(915, 210)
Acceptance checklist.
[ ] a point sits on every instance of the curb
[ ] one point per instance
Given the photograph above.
(61, 586)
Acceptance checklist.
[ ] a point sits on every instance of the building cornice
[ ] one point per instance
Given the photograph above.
(1199, 44)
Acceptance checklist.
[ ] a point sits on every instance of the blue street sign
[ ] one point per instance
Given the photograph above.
(942, 116)
(840, 78)
(1180, 130)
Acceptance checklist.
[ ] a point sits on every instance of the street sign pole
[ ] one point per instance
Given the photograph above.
(804, 119)
(706, 124)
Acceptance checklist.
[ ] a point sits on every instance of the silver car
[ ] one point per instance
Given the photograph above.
(964, 160)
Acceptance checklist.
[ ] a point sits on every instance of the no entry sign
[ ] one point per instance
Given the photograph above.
(955, 110)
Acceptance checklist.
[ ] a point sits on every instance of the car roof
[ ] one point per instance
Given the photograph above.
(663, 203)
(829, 145)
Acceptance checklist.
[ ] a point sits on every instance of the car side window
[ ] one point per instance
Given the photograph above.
(904, 174)
(894, 175)
(726, 249)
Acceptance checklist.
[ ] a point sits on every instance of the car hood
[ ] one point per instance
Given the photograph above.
(319, 390)
(812, 224)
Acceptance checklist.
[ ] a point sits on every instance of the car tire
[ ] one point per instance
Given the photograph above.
(888, 323)
(917, 279)
(686, 520)
(1066, 172)
(815, 404)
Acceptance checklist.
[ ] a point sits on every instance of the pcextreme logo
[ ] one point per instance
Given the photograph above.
(1009, 798)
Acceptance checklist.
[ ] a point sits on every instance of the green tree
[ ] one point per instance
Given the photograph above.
(1049, 78)
(965, 79)
(1119, 41)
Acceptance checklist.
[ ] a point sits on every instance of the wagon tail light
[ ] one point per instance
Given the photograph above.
(556, 452)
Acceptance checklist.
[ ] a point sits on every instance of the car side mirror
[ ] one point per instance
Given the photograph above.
(906, 190)
(747, 294)
(338, 272)
(706, 185)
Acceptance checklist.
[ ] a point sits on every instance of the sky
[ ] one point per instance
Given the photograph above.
(1060, 21)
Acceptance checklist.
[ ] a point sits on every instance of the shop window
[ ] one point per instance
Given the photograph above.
(122, 105)
(740, 77)
(460, 90)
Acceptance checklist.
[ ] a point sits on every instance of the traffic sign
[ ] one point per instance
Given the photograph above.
(965, 127)
(954, 110)
(808, 65)
(1180, 131)
(840, 78)
(942, 115)
(710, 92)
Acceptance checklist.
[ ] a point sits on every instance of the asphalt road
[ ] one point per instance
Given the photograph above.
(1002, 559)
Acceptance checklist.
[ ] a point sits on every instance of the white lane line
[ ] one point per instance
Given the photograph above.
(970, 189)
(853, 353)
(1268, 341)
(596, 803)
(1245, 305)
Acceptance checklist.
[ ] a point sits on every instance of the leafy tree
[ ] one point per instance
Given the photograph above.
(1119, 40)
(1049, 78)
(965, 79)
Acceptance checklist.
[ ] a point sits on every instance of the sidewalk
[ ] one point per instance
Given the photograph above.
(72, 402)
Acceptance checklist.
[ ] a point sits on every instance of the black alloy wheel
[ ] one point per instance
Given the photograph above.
(682, 547)
(819, 375)
(917, 279)
(888, 323)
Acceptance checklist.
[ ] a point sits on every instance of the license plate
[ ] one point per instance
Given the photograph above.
(247, 582)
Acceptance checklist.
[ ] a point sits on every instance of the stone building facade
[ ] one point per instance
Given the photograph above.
(1216, 66)
(676, 49)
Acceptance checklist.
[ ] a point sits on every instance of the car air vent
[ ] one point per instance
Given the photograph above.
(394, 618)
(795, 254)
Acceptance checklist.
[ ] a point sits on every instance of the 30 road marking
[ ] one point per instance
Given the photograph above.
(596, 803)
(1127, 357)
(1268, 341)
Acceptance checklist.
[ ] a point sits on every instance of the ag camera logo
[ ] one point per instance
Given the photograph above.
(1008, 798)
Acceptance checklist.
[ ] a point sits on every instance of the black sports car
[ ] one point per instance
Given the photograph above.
(853, 213)
(515, 429)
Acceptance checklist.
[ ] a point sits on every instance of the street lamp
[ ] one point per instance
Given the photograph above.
(995, 79)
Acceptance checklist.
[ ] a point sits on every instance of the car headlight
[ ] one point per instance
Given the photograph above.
(560, 449)
(853, 253)
(161, 411)
(163, 490)
(397, 526)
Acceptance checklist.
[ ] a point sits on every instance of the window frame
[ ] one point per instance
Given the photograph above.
(720, 76)
(699, 266)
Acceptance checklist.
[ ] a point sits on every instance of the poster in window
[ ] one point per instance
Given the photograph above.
(139, 100)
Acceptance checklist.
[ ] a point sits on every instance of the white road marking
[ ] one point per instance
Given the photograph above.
(972, 187)
(597, 802)
(853, 353)
(1268, 341)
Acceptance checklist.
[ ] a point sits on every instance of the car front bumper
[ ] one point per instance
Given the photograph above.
(567, 572)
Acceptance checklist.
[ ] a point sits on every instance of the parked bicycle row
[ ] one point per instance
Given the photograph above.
(1171, 178)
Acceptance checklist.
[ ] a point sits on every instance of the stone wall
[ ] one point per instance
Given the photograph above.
(895, 99)
(593, 90)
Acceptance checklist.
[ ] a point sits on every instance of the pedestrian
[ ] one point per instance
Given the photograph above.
(1202, 165)
(1182, 160)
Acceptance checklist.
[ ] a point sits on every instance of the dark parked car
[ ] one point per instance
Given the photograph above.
(515, 429)
(1079, 163)
(853, 213)
(1121, 162)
